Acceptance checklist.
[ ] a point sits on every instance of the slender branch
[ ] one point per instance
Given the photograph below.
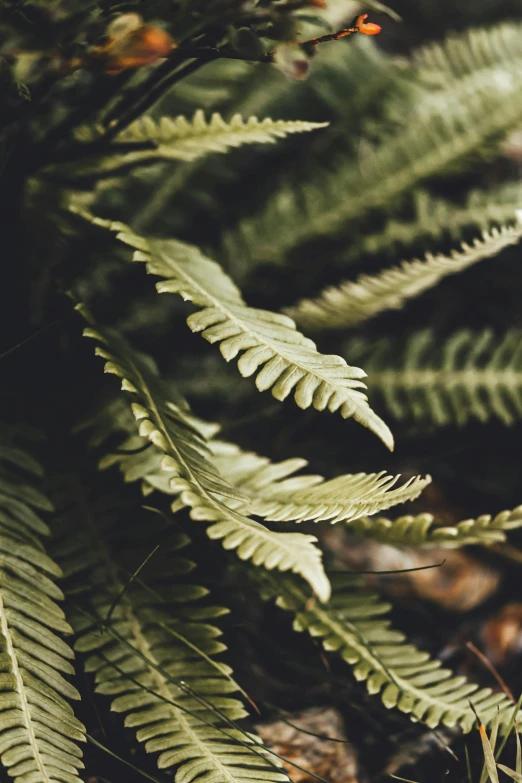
(153, 96)
(126, 101)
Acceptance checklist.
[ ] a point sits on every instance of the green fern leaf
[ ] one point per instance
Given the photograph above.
(184, 140)
(444, 127)
(281, 358)
(38, 730)
(435, 218)
(195, 478)
(157, 658)
(352, 625)
(471, 375)
(272, 490)
(420, 530)
(350, 303)
(276, 494)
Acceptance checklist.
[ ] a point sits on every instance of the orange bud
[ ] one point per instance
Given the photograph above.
(142, 47)
(368, 28)
(131, 44)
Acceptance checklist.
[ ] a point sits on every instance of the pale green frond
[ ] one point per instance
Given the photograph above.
(277, 495)
(443, 128)
(38, 730)
(271, 489)
(195, 478)
(350, 303)
(435, 218)
(469, 375)
(281, 358)
(157, 656)
(352, 624)
(472, 52)
(422, 530)
(187, 140)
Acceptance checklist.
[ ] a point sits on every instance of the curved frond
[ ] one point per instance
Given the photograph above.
(421, 530)
(444, 127)
(350, 303)
(38, 730)
(469, 375)
(352, 624)
(154, 649)
(281, 358)
(195, 478)
(277, 495)
(186, 140)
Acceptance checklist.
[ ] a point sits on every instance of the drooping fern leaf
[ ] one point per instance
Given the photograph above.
(445, 127)
(281, 358)
(420, 530)
(471, 375)
(350, 303)
(195, 478)
(154, 647)
(38, 730)
(352, 624)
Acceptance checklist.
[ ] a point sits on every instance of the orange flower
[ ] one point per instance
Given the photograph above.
(368, 28)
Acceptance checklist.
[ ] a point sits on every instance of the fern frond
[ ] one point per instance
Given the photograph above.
(157, 658)
(420, 530)
(470, 53)
(444, 128)
(277, 495)
(281, 358)
(350, 303)
(470, 375)
(38, 730)
(435, 218)
(352, 624)
(194, 477)
(272, 490)
(187, 140)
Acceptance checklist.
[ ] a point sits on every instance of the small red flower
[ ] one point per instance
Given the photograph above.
(368, 28)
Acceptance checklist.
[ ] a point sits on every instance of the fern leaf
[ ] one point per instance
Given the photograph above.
(181, 139)
(435, 218)
(444, 128)
(471, 375)
(352, 624)
(277, 495)
(272, 490)
(281, 358)
(195, 478)
(350, 303)
(38, 730)
(420, 530)
(157, 659)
